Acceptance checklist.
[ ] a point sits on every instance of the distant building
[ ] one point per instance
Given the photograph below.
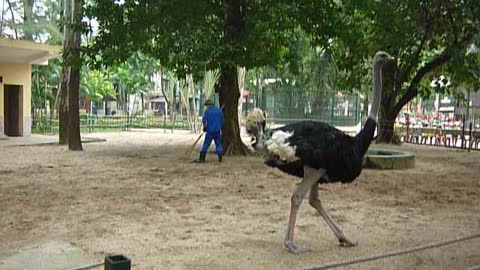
(16, 60)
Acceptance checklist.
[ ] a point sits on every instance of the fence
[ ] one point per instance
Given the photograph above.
(94, 123)
(284, 106)
(457, 138)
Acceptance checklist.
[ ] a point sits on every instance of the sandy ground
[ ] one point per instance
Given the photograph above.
(132, 195)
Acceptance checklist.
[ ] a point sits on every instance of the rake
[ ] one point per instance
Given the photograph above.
(188, 154)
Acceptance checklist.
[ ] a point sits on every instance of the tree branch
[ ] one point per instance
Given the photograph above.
(164, 94)
(13, 18)
(441, 59)
(413, 62)
(412, 89)
(1, 23)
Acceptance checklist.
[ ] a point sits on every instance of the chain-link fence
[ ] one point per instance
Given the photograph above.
(289, 105)
(283, 106)
(96, 123)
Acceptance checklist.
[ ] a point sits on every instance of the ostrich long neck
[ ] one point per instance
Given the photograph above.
(365, 137)
(377, 91)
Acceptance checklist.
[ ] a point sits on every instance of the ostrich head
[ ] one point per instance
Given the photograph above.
(382, 57)
(255, 125)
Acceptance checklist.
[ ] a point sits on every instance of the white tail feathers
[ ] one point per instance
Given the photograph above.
(279, 146)
(255, 117)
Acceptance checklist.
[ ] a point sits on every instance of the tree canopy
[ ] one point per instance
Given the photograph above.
(188, 36)
(32, 20)
(427, 38)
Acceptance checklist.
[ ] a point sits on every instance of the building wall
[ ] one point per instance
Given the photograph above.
(17, 74)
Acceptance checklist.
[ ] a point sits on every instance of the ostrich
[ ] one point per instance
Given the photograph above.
(318, 153)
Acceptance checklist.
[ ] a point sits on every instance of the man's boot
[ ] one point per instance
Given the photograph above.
(220, 157)
(201, 159)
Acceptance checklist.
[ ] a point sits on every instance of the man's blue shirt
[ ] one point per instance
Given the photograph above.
(213, 119)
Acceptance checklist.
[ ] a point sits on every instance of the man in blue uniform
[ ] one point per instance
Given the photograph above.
(212, 124)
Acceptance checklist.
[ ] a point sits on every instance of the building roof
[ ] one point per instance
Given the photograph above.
(26, 52)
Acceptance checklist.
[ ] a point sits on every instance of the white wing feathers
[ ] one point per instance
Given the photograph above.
(279, 146)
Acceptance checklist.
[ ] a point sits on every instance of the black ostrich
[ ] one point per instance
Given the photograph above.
(318, 153)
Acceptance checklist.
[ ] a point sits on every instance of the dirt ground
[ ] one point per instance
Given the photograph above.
(131, 195)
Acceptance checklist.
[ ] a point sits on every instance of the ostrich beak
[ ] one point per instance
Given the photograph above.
(391, 58)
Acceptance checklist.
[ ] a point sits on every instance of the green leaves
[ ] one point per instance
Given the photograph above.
(134, 76)
(209, 80)
(428, 38)
(96, 85)
(45, 81)
(32, 20)
(188, 37)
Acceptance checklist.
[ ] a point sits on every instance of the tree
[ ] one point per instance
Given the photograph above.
(426, 37)
(310, 70)
(28, 19)
(32, 20)
(209, 80)
(69, 132)
(45, 82)
(63, 111)
(191, 36)
(96, 85)
(134, 77)
(74, 139)
(170, 97)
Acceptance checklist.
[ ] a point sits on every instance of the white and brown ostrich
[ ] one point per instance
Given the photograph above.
(318, 153)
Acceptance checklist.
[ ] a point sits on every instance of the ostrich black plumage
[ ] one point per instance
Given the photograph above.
(318, 153)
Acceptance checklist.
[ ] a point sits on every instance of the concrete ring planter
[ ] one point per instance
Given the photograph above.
(389, 159)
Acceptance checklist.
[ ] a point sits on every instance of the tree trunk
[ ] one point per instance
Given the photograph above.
(28, 19)
(229, 95)
(241, 88)
(173, 103)
(63, 108)
(234, 33)
(173, 106)
(12, 14)
(386, 123)
(74, 140)
(194, 111)
(388, 113)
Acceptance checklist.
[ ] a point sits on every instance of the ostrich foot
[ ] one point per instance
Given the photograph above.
(294, 249)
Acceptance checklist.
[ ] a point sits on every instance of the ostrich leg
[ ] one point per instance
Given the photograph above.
(337, 230)
(310, 176)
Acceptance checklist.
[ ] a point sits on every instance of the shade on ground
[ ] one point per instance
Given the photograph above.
(37, 139)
